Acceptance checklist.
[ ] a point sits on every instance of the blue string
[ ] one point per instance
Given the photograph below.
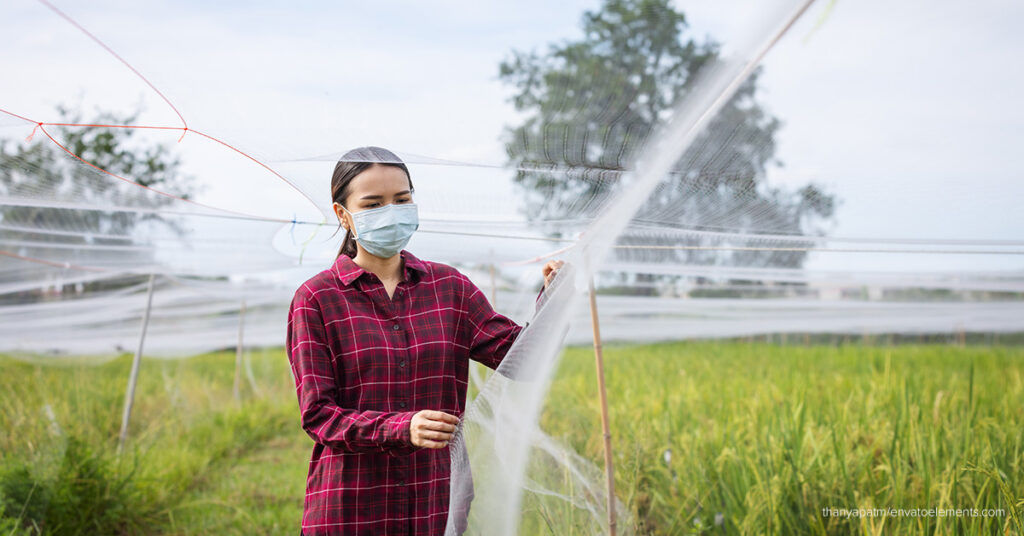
(292, 230)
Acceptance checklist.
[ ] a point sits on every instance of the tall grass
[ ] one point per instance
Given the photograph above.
(59, 471)
(729, 438)
(709, 437)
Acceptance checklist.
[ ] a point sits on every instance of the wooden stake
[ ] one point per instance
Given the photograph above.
(129, 396)
(605, 427)
(238, 352)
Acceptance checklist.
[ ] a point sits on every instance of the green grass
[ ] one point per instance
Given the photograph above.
(762, 438)
(196, 462)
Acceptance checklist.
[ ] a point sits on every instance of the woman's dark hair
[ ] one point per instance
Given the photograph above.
(351, 164)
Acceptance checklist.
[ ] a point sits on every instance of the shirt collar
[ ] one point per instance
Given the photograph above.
(347, 270)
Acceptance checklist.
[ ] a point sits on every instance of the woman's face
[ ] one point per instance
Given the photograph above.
(375, 187)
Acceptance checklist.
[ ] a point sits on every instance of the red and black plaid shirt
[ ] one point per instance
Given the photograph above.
(363, 365)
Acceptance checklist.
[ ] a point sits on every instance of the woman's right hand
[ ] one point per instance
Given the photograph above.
(432, 429)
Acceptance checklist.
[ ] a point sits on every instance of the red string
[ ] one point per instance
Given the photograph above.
(184, 128)
(33, 133)
(116, 176)
(103, 125)
(114, 54)
(51, 263)
(12, 114)
(41, 124)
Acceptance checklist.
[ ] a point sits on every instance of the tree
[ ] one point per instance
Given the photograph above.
(64, 215)
(589, 104)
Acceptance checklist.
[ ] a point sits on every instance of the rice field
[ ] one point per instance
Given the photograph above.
(737, 438)
(709, 437)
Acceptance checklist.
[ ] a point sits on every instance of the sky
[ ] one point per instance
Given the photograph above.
(907, 111)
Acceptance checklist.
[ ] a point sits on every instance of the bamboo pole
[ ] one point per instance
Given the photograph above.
(238, 353)
(605, 427)
(129, 396)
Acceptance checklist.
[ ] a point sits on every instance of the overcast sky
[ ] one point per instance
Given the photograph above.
(908, 111)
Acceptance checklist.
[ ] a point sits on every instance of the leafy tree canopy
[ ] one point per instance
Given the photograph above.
(52, 204)
(588, 104)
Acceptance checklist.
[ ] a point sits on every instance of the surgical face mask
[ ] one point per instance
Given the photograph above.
(384, 231)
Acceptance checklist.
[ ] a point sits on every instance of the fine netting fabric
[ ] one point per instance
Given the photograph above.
(670, 200)
(498, 434)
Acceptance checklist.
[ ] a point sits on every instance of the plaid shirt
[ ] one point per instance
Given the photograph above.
(363, 365)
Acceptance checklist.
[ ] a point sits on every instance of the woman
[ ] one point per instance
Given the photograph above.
(379, 345)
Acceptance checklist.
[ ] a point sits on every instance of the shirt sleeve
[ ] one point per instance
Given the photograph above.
(491, 333)
(311, 362)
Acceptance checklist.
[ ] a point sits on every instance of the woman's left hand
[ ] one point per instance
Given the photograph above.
(549, 271)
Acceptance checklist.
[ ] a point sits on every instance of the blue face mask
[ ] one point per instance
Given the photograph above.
(384, 231)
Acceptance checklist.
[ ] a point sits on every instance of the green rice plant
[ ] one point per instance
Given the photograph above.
(723, 437)
(753, 438)
(61, 471)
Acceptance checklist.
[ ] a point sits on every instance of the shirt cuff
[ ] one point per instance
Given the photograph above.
(402, 445)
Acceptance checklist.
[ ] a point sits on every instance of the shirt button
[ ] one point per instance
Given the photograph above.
(401, 482)
(396, 327)
(401, 363)
(401, 404)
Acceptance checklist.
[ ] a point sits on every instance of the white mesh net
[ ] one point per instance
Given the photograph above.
(656, 174)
